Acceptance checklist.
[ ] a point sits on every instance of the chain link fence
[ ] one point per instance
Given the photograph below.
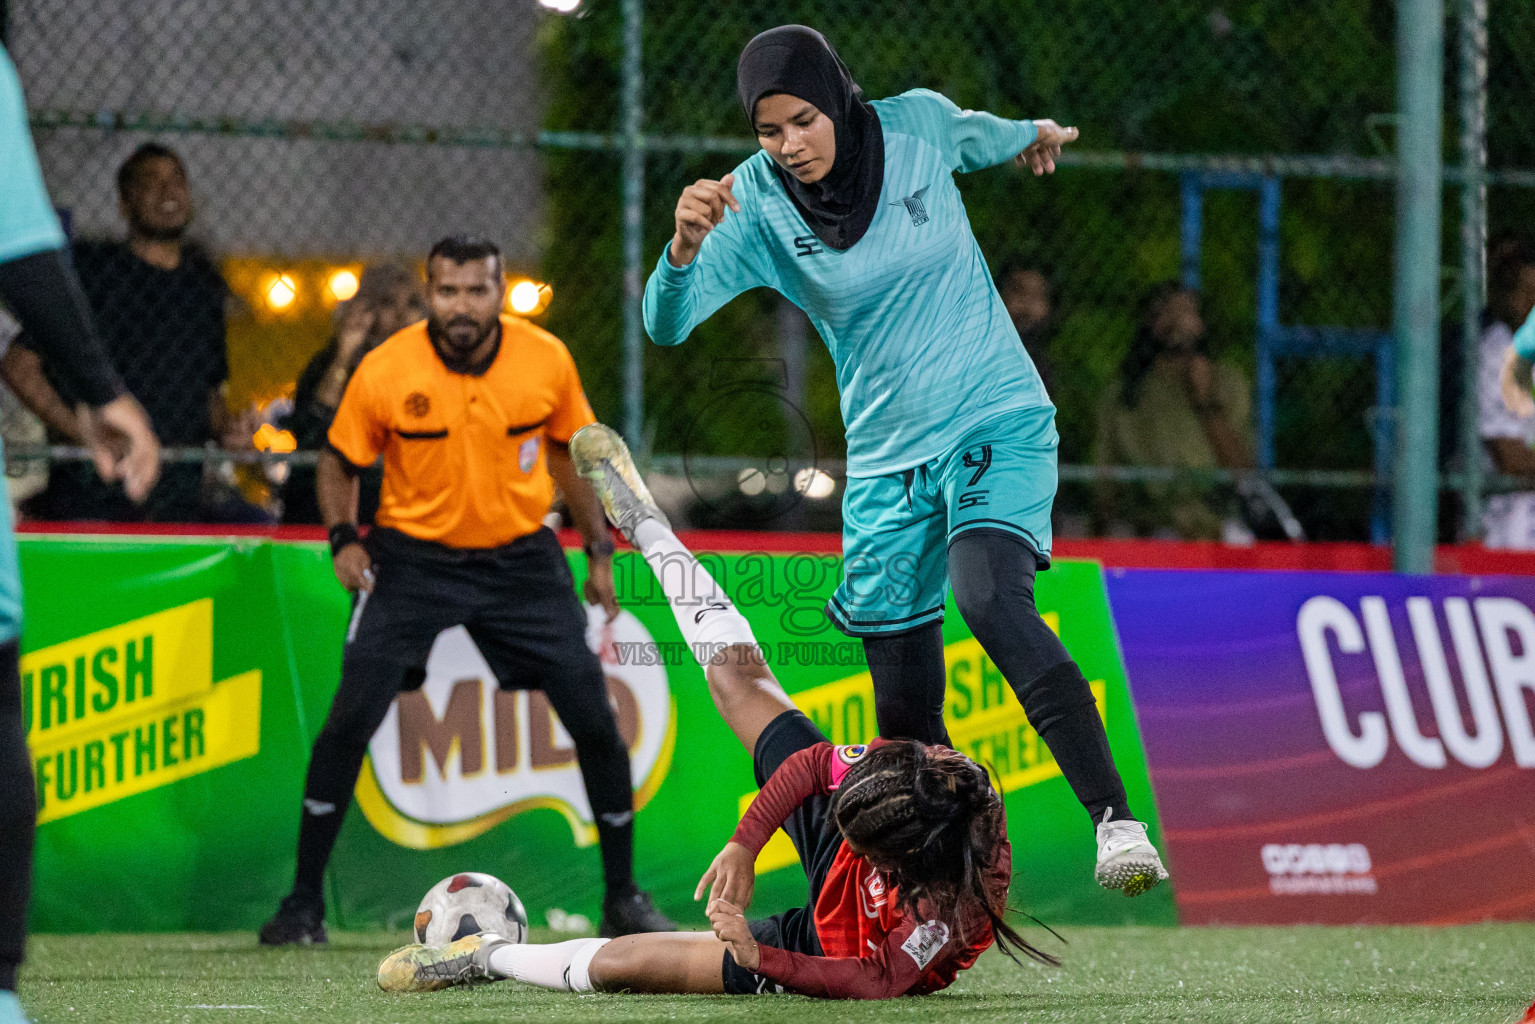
(1243, 147)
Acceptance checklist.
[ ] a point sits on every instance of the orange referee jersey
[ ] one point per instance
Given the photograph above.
(464, 459)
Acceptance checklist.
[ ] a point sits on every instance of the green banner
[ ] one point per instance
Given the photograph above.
(173, 688)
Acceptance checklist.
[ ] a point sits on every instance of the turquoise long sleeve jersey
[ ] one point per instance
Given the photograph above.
(923, 345)
(27, 222)
(1524, 339)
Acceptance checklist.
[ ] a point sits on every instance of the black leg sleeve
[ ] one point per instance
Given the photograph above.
(18, 819)
(993, 579)
(368, 686)
(909, 681)
(581, 701)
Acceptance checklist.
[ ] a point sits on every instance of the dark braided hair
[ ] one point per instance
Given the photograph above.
(930, 821)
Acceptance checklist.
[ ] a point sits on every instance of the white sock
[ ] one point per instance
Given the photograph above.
(563, 966)
(707, 617)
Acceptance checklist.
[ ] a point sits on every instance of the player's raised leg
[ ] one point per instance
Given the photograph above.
(741, 684)
(999, 484)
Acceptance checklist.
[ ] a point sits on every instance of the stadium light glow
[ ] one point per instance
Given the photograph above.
(269, 439)
(528, 298)
(813, 483)
(341, 284)
(752, 481)
(279, 291)
(524, 297)
(560, 6)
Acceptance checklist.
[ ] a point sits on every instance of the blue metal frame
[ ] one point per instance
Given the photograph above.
(1275, 340)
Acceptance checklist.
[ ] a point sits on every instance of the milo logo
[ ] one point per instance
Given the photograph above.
(460, 755)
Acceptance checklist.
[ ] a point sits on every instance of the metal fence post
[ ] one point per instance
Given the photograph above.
(1473, 249)
(1420, 97)
(634, 226)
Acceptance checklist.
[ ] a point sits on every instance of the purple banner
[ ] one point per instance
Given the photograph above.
(1335, 747)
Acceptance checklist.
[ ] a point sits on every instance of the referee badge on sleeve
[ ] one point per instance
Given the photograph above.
(527, 454)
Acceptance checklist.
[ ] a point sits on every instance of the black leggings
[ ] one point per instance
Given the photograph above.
(992, 573)
(18, 819)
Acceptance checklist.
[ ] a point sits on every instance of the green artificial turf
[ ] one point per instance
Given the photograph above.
(1483, 974)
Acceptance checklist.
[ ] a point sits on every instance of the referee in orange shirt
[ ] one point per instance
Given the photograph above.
(471, 411)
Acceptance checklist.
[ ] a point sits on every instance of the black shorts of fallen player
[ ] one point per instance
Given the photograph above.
(815, 839)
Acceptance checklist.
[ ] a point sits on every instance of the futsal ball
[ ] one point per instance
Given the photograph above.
(467, 903)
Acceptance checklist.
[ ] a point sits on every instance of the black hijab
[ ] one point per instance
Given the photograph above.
(799, 61)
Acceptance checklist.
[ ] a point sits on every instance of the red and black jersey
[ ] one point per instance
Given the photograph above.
(873, 948)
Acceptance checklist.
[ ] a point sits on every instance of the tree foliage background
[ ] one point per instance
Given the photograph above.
(1248, 77)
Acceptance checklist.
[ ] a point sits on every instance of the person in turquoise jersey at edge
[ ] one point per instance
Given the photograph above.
(1517, 366)
(38, 285)
(850, 210)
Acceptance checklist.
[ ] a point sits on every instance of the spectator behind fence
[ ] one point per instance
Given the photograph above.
(18, 426)
(388, 299)
(159, 304)
(1508, 518)
(1030, 302)
(1172, 405)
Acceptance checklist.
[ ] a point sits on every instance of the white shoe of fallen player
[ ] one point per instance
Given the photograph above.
(1126, 858)
(601, 457)
(420, 968)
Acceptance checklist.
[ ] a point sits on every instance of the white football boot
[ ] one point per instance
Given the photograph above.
(601, 456)
(1126, 858)
(418, 968)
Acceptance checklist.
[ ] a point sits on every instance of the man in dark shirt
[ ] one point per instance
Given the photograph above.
(1030, 302)
(159, 304)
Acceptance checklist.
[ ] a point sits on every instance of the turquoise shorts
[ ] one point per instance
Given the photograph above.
(896, 529)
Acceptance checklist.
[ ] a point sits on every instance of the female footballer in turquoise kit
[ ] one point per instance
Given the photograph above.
(850, 210)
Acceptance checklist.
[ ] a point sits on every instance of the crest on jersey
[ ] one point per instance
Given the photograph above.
(850, 754)
(527, 454)
(871, 894)
(915, 206)
(417, 404)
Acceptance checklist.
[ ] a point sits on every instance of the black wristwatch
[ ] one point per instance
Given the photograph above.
(341, 535)
(599, 549)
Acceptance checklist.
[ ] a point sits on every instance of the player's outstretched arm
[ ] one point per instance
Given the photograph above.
(887, 972)
(974, 139)
(732, 876)
(712, 257)
(123, 445)
(43, 292)
(1041, 154)
(22, 371)
(700, 208)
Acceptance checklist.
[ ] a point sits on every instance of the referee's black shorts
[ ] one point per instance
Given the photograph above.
(518, 603)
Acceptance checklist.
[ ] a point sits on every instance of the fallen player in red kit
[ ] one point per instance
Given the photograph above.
(904, 845)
